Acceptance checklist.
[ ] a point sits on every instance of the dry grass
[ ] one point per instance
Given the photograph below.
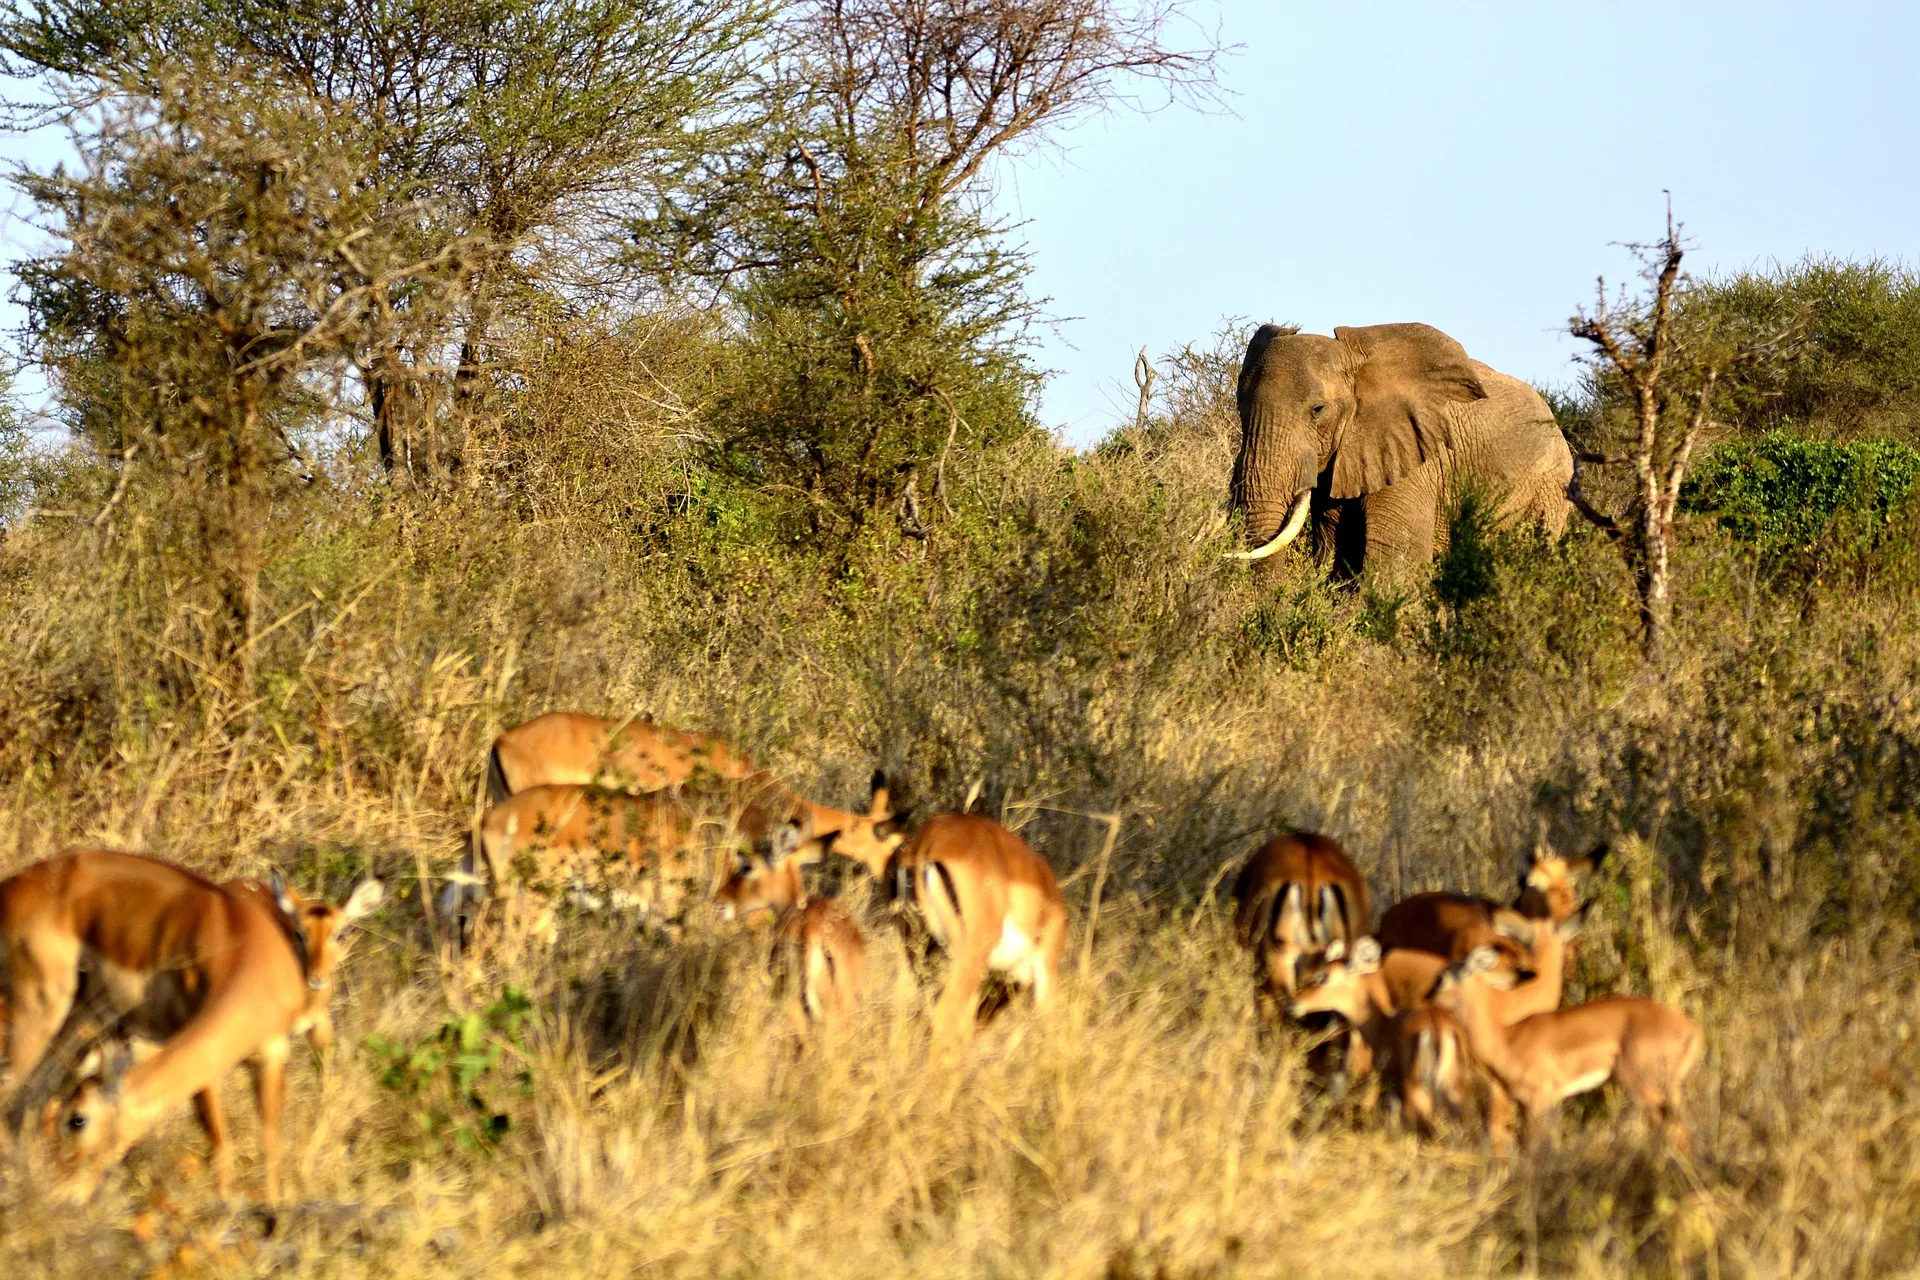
(1070, 637)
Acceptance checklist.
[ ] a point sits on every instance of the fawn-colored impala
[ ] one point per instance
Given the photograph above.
(1430, 1068)
(818, 950)
(1353, 985)
(1369, 988)
(1545, 1059)
(648, 852)
(634, 755)
(218, 975)
(1452, 925)
(1297, 896)
(990, 902)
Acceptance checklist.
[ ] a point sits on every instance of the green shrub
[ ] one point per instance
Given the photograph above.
(453, 1080)
(1858, 370)
(1806, 503)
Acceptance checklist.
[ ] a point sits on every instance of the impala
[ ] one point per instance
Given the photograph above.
(1369, 987)
(1453, 924)
(649, 852)
(217, 975)
(816, 940)
(990, 902)
(625, 755)
(1430, 1067)
(1297, 896)
(1545, 1059)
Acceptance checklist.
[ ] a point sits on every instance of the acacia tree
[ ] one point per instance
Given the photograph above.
(1665, 373)
(881, 312)
(221, 262)
(529, 130)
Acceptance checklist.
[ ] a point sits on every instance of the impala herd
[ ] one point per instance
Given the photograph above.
(159, 982)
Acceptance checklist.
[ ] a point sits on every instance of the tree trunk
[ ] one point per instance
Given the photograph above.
(1652, 579)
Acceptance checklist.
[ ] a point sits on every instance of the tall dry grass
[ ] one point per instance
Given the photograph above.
(1068, 638)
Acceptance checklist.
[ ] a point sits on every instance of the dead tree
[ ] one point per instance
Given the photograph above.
(1668, 379)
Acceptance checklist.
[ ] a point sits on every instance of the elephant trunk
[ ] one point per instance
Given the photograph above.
(1288, 531)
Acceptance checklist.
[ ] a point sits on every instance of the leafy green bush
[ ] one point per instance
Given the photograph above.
(453, 1078)
(1806, 502)
(1858, 370)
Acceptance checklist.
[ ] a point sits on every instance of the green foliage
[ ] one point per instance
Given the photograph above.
(1383, 604)
(221, 258)
(1858, 370)
(524, 131)
(456, 1081)
(1808, 503)
(1464, 571)
(884, 325)
(18, 469)
(1299, 625)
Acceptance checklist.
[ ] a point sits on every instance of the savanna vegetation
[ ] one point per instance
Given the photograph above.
(423, 368)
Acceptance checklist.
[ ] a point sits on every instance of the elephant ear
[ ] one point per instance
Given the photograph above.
(1405, 378)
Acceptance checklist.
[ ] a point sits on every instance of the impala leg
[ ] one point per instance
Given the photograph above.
(1500, 1120)
(213, 1119)
(960, 999)
(269, 1090)
(1046, 968)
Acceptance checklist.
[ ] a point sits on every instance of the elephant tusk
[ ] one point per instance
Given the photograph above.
(1288, 531)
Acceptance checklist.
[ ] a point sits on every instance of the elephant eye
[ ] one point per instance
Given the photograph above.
(76, 1122)
(1317, 410)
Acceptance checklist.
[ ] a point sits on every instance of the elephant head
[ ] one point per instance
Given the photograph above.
(1354, 412)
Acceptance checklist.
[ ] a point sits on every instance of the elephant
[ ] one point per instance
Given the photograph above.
(1373, 432)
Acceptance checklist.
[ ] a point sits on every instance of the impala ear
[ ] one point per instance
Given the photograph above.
(1366, 956)
(116, 1057)
(1570, 928)
(1336, 950)
(362, 902)
(887, 828)
(882, 794)
(1509, 923)
(1589, 862)
(785, 840)
(1407, 381)
(1289, 922)
(1480, 960)
(277, 885)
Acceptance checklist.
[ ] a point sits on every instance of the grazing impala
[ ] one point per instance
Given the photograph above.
(1370, 989)
(990, 902)
(1295, 898)
(816, 940)
(1549, 1057)
(650, 852)
(218, 975)
(1453, 924)
(1430, 1068)
(623, 755)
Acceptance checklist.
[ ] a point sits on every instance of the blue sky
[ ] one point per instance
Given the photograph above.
(1470, 165)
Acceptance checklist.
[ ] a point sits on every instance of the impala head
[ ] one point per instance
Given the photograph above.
(321, 933)
(1546, 882)
(1538, 934)
(88, 1131)
(871, 840)
(769, 877)
(1331, 983)
(1450, 992)
(321, 928)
